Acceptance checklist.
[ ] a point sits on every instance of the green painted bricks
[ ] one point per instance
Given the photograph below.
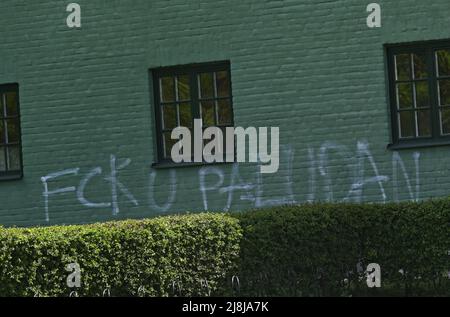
(312, 68)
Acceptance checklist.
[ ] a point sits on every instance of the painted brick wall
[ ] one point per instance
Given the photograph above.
(311, 67)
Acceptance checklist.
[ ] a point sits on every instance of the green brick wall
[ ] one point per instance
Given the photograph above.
(311, 67)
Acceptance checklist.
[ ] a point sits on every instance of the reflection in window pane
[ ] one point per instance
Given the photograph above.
(169, 116)
(444, 92)
(445, 120)
(167, 89)
(206, 85)
(13, 158)
(2, 160)
(223, 84)
(185, 115)
(184, 88)
(1, 106)
(208, 113)
(224, 112)
(404, 95)
(168, 144)
(13, 130)
(403, 63)
(423, 121)
(11, 104)
(407, 128)
(2, 131)
(422, 95)
(420, 66)
(443, 62)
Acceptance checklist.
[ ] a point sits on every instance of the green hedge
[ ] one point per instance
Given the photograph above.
(308, 250)
(313, 250)
(159, 257)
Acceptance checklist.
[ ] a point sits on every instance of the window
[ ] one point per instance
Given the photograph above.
(419, 86)
(185, 93)
(10, 139)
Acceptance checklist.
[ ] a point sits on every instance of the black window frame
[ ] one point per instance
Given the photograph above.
(192, 70)
(428, 48)
(11, 174)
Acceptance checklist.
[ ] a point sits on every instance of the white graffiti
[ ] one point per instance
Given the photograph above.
(237, 184)
(328, 171)
(397, 161)
(172, 192)
(204, 188)
(47, 193)
(112, 178)
(363, 153)
(82, 187)
(288, 198)
(116, 184)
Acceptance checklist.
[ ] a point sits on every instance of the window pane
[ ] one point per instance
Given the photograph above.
(224, 112)
(403, 63)
(223, 84)
(443, 62)
(185, 115)
(168, 144)
(208, 113)
(167, 89)
(11, 104)
(13, 158)
(422, 94)
(420, 66)
(404, 95)
(2, 131)
(191, 92)
(1, 106)
(169, 116)
(444, 92)
(13, 130)
(423, 121)
(2, 160)
(407, 128)
(206, 84)
(184, 88)
(445, 120)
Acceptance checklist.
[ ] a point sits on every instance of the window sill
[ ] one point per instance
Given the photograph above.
(412, 144)
(10, 176)
(168, 164)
